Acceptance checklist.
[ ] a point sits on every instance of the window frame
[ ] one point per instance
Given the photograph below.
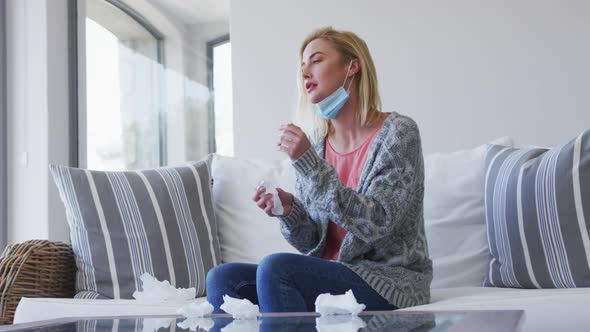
(3, 130)
(73, 81)
(210, 84)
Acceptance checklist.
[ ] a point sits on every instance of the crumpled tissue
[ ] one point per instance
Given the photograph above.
(157, 291)
(328, 304)
(196, 323)
(339, 323)
(271, 188)
(240, 309)
(195, 310)
(154, 324)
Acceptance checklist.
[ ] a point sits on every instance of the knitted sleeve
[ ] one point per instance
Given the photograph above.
(299, 229)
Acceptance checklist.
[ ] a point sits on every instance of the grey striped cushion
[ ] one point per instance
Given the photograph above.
(538, 215)
(123, 224)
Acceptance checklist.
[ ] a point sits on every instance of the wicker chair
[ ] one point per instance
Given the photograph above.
(35, 268)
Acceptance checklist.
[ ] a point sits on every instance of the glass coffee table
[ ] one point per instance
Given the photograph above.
(456, 321)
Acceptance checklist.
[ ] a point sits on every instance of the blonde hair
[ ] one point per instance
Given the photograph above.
(350, 47)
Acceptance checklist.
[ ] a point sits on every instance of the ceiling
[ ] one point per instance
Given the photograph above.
(195, 11)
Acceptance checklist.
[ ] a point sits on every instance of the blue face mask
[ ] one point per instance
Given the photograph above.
(329, 107)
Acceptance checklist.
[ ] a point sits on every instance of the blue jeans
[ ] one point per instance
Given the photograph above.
(288, 283)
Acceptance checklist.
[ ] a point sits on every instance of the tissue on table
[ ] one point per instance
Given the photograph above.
(339, 323)
(196, 310)
(196, 323)
(242, 326)
(271, 188)
(328, 304)
(157, 291)
(154, 324)
(239, 309)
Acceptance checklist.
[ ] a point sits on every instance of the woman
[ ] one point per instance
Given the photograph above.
(357, 215)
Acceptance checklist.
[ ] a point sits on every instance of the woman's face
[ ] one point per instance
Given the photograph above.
(323, 69)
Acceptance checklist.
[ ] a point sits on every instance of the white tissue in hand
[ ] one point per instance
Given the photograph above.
(196, 310)
(328, 304)
(277, 205)
(196, 323)
(239, 309)
(156, 291)
(339, 323)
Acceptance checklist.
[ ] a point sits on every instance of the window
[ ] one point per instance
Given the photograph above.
(124, 125)
(221, 84)
(149, 83)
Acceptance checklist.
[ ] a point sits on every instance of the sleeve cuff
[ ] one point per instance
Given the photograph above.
(297, 213)
(307, 162)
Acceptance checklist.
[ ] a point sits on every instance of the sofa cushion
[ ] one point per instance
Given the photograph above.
(538, 215)
(546, 310)
(454, 217)
(123, 224)
(246, 233)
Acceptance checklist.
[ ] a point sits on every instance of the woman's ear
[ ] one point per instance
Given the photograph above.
(355, 67)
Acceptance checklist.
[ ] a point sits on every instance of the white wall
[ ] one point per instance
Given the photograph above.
(467, 71)
(38, 104)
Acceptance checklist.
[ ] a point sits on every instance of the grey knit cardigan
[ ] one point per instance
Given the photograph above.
(385, 245)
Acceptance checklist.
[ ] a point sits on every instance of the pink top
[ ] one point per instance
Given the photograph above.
(349, 167)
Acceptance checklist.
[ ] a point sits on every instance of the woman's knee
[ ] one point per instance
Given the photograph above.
(275, 263)
(216, 273)
(223, 279)
(223, 273)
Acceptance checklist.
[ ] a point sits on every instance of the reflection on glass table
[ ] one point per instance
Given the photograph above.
(365, 322)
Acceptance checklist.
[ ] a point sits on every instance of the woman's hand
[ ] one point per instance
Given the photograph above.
(292, 141)
(264, 201)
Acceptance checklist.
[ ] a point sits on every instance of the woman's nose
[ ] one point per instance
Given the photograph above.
(305, 71)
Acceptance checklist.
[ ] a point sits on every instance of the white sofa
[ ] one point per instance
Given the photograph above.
(455, 227)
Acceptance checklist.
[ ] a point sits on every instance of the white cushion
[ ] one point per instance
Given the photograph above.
(246, 233)
(454, 216)
(545, 309)
(36, 309)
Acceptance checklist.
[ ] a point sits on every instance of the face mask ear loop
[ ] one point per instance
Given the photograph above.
(346, 78)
